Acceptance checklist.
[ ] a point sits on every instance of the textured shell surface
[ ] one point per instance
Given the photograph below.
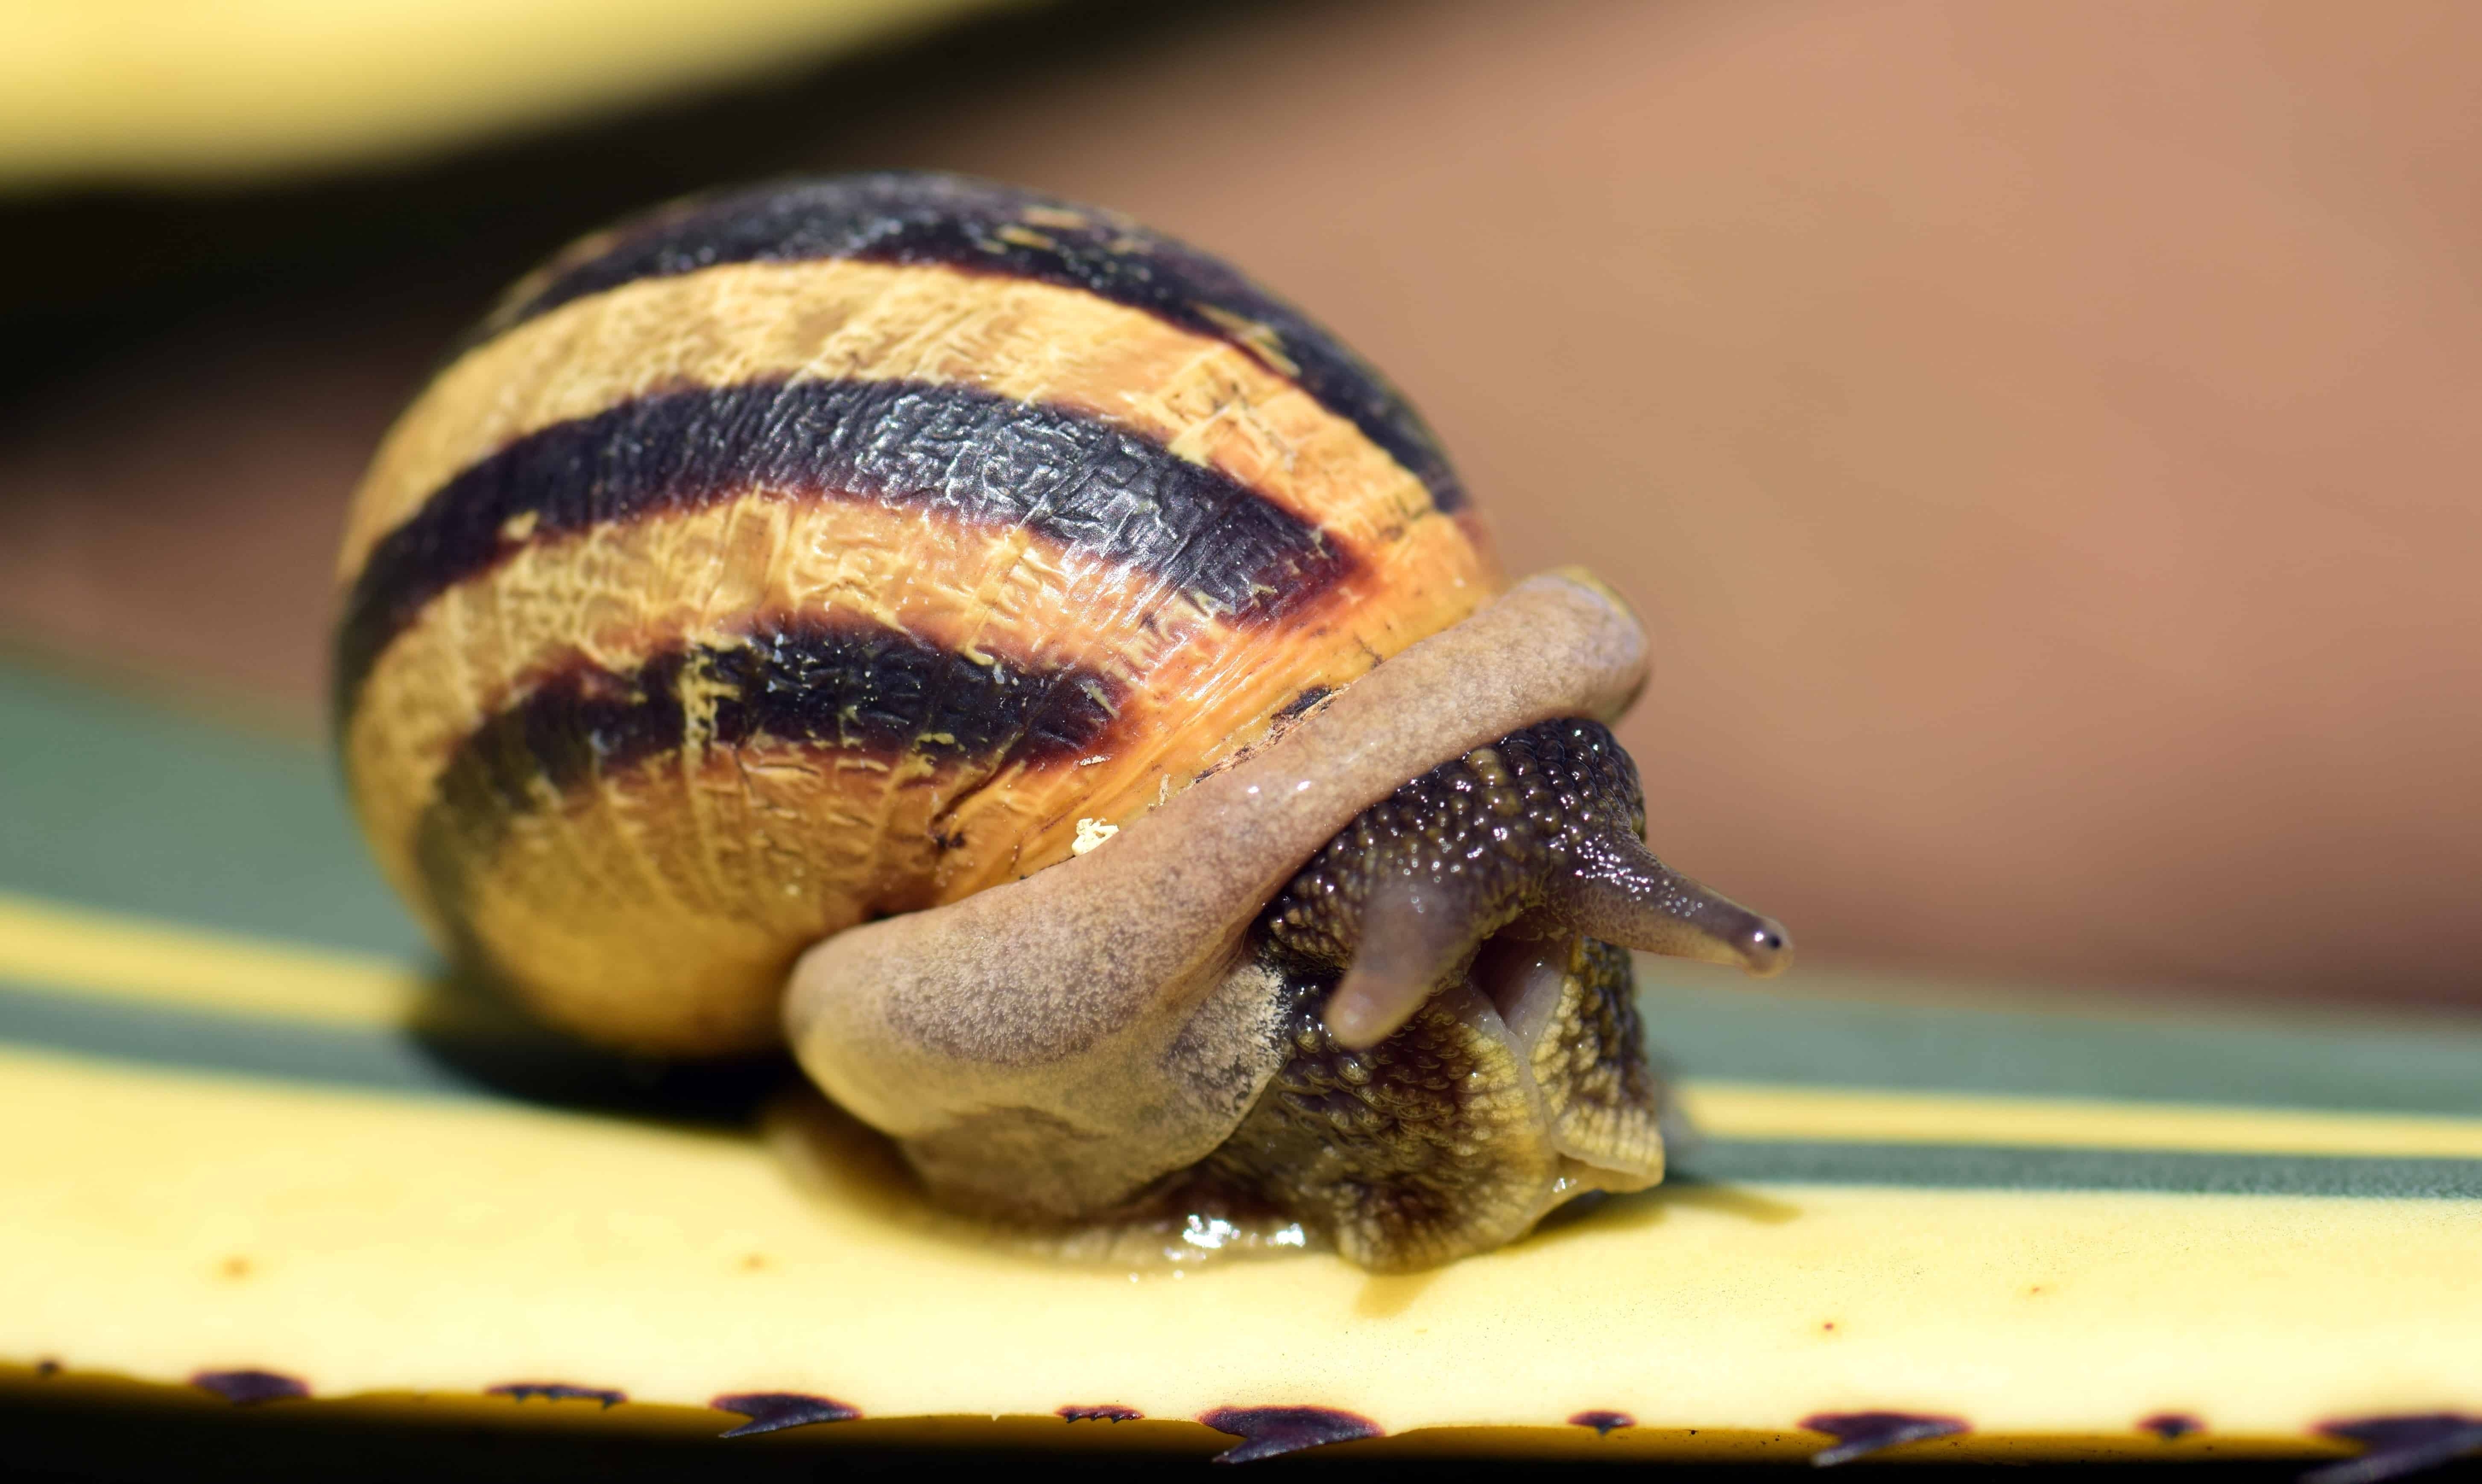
(792, 557)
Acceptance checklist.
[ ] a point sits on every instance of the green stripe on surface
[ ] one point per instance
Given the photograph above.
(2012, 1167)
(294, 1050)
(1711, 1026)
(456, 1053)
(113, 803)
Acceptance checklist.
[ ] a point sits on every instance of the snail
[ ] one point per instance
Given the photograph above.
(1045, 680)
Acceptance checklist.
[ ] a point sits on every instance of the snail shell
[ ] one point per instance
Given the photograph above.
(834, 567)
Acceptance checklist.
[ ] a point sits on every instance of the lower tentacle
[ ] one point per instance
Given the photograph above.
(1415, 934)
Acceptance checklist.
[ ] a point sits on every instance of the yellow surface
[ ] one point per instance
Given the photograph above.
(369, 1244)
(171, 89)
(167, 1222)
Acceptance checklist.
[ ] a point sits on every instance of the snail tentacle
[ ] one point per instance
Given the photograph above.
(1620, 893)
(1413, 934)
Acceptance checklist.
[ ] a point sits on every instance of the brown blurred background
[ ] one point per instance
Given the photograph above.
(2043, 438)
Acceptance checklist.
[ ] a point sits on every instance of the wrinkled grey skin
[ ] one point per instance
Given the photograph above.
(1391, 1010)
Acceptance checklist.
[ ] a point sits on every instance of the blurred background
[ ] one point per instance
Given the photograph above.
(2043, 439)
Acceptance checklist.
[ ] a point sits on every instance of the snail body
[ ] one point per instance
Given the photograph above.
(832, 569)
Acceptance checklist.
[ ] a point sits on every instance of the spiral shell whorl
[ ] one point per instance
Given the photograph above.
(832, 550)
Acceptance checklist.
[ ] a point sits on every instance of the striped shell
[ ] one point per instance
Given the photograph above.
(791, 558)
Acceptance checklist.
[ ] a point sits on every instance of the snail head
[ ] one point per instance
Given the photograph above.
(1399, 1012)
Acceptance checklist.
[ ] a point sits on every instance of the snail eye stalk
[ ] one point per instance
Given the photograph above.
(1622, 894)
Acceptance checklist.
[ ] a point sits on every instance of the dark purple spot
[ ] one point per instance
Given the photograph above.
(47, 1368)
(2399, 1446)
(1605, 1424)
(776, 1411)
(249, 1388)
(1109, 1411)
(1268, 1431)
(2171, 1427)
(1860, 1433)
(557, 1391)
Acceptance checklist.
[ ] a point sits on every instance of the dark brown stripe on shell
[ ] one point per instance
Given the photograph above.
(951, 452)
(954, 222)
(848, 685)
(854, 686)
